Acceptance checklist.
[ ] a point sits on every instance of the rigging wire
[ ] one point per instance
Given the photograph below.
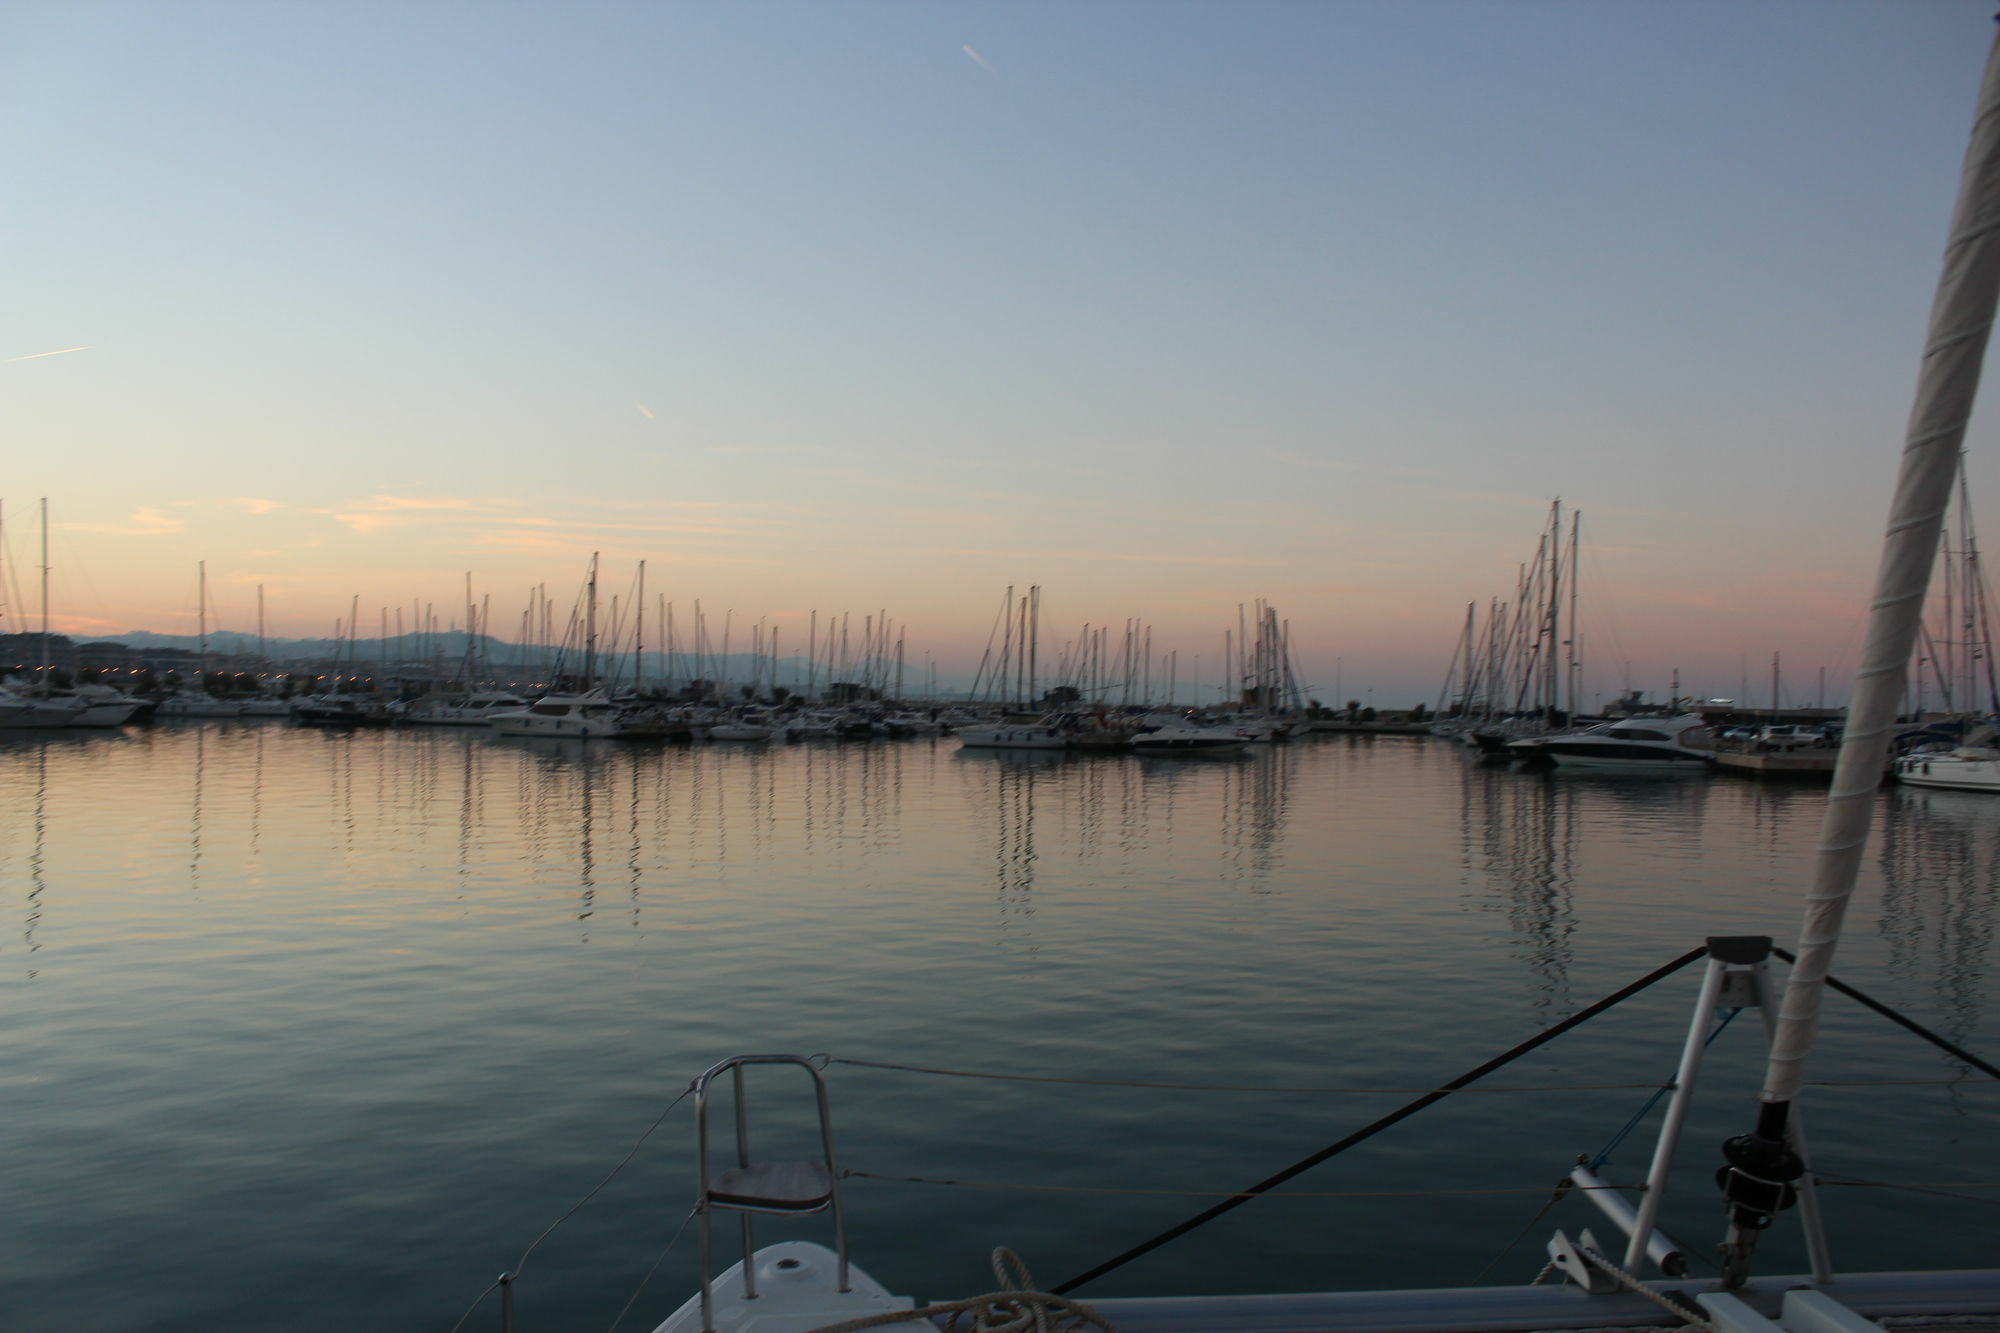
(633, 1299)
(1603, 1154)
(1556, 1196)
(521, 1264)
(1945, 1189)
(1596, 1163)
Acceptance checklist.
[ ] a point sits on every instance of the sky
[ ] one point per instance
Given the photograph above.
(1163, 307)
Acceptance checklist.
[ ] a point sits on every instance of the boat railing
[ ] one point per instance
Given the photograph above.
(791, 1189)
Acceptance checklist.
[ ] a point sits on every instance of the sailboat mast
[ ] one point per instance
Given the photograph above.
(201, 619)
(1975, 576)
(590, 626)
(1021, 657)
(639, 633)
(1550, 698)
(45, 594)
(1034, 636)
(1575, 671)
(1968, 604)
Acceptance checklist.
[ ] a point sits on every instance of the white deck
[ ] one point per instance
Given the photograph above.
(795, 1292)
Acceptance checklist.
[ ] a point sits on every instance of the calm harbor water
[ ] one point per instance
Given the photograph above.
(316, 1031)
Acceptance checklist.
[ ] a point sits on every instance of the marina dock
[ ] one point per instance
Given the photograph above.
(1810, 765)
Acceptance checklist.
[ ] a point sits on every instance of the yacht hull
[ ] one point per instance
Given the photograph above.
(1949, 774)
(1013, 738)
(1629, 758)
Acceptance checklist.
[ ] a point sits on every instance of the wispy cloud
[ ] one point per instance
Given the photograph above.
(61, 351)
(1044, 499)
(384, 511)
(592, 525)
(249, 504)
(80, 625)
(141, 523)
(518, 540)
(1135, 557)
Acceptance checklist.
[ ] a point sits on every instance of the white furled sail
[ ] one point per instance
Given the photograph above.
(1961, 319)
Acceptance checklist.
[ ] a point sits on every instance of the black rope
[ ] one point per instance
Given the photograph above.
(1949, 1047)
(1375, 1127)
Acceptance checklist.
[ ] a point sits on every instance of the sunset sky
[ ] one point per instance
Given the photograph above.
(828, 304)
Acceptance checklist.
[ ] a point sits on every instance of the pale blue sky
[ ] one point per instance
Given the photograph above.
(1164, 306)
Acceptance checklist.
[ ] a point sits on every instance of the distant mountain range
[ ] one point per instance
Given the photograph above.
(407, 647)
(450, 647)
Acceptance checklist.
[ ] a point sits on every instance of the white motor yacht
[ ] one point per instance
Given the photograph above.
(1057, 731)
(819, 724)
(96, 705)
(570, 716)
(1681, 743)
(473, 710)
(748, 726)
(196, 704)
(1967, 768)
(1255, 728)
(33, 710)
(1184, 738)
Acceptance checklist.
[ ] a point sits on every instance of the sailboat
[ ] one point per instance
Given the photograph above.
(267, 704)
(38, 706)
(588, 714)
(1957, 656)
(197, 701)
(1530, 667)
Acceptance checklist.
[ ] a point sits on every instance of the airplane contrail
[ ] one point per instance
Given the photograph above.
(60, 352)
(644, 411)
(977, 59)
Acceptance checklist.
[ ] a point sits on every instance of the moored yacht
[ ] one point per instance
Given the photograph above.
(84, 706)
(1967, 768)
(1057, 731)
(103, 706)
(1681, 743)
(34, 710)
(342, 710)
(473, 710)
(1190, 738)
(747, 725)
(589, 716)
(197, 703)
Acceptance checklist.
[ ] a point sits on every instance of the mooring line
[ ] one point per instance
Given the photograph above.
(1218, 1194)
(1375, 1127)
(1405, 1092)
(1942, 1043)
(1219, 1087)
